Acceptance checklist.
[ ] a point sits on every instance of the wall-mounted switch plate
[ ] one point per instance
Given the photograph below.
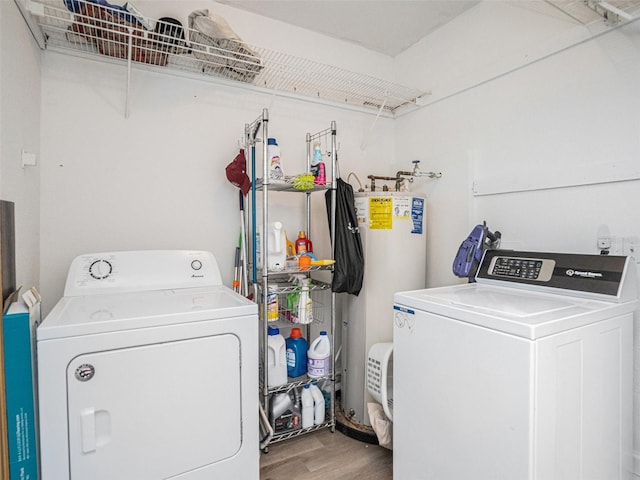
(29, 159)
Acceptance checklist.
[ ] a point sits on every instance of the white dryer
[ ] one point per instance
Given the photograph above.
(148, 370)
(525, 374)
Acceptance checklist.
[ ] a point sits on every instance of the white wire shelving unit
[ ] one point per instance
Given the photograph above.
(98, 32)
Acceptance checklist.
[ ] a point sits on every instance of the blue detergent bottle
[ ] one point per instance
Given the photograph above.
(296, 353)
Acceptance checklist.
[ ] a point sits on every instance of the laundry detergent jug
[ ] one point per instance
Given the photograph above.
(277, 358)
(277, 244)
(319, 357)
(296, 353)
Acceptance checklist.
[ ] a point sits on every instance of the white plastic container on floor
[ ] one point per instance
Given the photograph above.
(307, 407)
(318, 404)
(319, 357)
(277, 358)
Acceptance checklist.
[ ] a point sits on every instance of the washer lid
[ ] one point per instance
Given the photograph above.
(86, 315)
(524, 313)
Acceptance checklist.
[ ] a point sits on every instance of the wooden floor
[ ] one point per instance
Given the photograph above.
(323, 455)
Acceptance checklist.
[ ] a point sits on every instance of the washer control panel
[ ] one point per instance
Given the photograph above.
(593, 276)
(540, 269)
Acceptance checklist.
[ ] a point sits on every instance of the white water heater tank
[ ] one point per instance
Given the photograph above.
(394, 239)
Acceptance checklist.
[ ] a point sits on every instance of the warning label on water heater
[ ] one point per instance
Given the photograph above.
(380, 212)
(401, 208)
(417, 214)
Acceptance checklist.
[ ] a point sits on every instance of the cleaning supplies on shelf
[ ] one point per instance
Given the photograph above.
(299, 302)
(276, 358)
(272, 303)
(321, 179)
(318, 404)
(317, 166)
(307, 407)
(319, 357)
(303, 244)
(291, 312)
(304, 181)
(277, 244)
(322, 262)
(296, 353)
(275, 163)
(304, 262)
(285, 414)
(325, 388)
(305, 304)
(291, 247)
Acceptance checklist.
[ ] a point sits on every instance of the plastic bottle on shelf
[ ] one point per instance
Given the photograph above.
(285, 414)
(277, 242)
(296, 410)
(325, 388)
(318, 404)
(272, 303)
(296, 353)
(316, 159)
(305, 304)
(319, 357)
(277, 358)
(275, 162)
(321, 178)
(317, 166)
(307, 407)
(280, 403)
(303, 244)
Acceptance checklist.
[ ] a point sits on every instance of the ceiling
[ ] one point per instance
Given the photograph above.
(385, 26)
(392, 26)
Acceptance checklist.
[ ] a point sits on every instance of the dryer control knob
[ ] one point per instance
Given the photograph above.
(100, 269)
(196, 264)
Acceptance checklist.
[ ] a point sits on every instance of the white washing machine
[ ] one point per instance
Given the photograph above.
(524, 375)
(148, 369)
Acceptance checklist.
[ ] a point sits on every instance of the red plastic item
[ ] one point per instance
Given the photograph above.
(303, 244)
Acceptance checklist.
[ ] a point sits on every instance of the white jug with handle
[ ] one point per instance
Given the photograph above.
(277, 245)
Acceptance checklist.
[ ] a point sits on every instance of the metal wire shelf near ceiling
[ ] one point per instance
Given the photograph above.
(93, 30)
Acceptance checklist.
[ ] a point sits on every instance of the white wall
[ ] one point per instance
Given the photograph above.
(546, 154)
(156, 179)
(20, 130)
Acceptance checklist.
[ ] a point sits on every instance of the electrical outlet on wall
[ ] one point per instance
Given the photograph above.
(617, 245)
(603, 239)
(631, 247)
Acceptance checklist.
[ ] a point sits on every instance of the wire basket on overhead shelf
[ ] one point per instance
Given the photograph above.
(90, 28)
(114, 30)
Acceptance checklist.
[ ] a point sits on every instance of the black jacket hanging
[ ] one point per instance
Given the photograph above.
(349, 256)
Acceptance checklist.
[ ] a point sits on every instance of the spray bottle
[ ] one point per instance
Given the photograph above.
(304, 304)
(317, 166)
